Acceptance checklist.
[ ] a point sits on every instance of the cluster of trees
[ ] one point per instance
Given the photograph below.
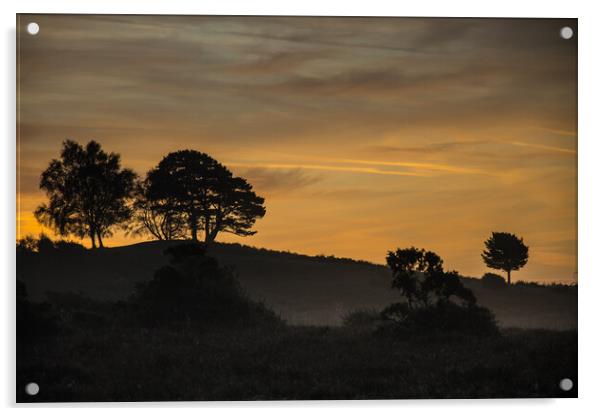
(186, 194)
(436, 298)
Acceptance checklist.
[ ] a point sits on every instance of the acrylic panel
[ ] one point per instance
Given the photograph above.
(295, 208)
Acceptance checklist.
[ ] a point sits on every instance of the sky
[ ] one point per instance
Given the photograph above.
(363, 134)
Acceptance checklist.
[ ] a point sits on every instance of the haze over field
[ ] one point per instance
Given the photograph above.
(361, 137)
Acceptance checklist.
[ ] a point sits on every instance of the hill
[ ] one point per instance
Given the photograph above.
(303, 289)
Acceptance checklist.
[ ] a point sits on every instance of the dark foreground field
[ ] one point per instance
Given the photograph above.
(190, 331)
(297, 363)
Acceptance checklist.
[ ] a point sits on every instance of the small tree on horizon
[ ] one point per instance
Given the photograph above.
(87, 192)
(505, 251)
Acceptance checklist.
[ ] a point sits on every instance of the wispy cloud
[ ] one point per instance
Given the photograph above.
(331, 168)
(425, 167)
(544, 147)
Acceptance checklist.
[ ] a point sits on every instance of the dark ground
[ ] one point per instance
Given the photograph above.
(97, 352)
(296, 363)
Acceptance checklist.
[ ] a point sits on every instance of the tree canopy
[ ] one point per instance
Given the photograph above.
(207, 195)
(87, 192)
(505, 251)
(157, 216)
(420, 277)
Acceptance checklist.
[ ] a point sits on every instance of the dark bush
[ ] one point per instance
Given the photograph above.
(194, 289)
(27, 245)
(440, 318)
(557, 287)
(493, 281)
(362, 319)
(45, 244)
(67, 246)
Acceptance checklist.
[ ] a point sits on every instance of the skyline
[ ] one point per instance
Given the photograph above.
(363, 135)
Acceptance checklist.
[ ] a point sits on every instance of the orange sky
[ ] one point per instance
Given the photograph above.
(363, 135)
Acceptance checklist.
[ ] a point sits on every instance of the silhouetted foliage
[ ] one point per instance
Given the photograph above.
(206, 192)
(494, 281)
(43, 244)
(558, 287)
(505, 251)
(419, 276)
(441, 317)
(429, 290)
(87, 192)
(362, 319)
(194, 289)
(27, 244)
(156, 214)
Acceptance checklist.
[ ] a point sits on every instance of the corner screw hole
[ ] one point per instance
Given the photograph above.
(566, 384)
(566, 32)
(33, 28)
(32, 389)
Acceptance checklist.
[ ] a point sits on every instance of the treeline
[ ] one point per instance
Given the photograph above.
(187, 194)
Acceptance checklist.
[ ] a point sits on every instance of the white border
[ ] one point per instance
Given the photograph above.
(590, 202)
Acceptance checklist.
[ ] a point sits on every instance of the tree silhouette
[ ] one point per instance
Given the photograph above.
(206, 192)
(87, 192)
(156, 216)
(420, 277)
(505, 251)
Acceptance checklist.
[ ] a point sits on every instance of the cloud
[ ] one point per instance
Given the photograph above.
(330, 168)
(279, 62)
(277, 181)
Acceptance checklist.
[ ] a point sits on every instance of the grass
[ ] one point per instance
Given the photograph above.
(112, 363)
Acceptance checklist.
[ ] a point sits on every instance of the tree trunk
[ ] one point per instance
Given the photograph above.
(93, 238)
(99, 240)
(210, 235)
(194, 231)
(508, 271)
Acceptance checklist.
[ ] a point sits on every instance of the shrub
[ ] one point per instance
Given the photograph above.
(193, 288)
(362, 319)
(441, 318)
(420, 278)
(27, 244)
(493, 281)
(45, 244)
(68, 246)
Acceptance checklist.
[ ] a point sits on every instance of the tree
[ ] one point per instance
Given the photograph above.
(87, 192)
(420, 277)
(206, 193)
(505, 251)
(155, 216)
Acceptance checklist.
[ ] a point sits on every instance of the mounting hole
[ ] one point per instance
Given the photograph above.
(566, 384)
(566, 32)
(33, 28)
(32, 389)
